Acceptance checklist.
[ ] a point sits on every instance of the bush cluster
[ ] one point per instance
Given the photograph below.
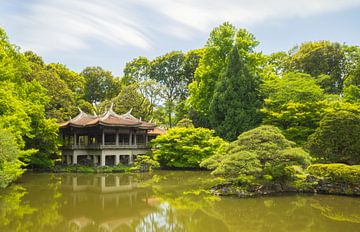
(336, 172)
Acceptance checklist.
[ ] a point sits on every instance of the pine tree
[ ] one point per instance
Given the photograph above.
(236, 102)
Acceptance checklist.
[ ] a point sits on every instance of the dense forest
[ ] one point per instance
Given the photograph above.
(305, 100)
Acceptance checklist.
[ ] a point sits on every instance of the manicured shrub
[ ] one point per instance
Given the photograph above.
(182, 147)
(144, 163)
(337, 138)
(336, 172)
(259, 155)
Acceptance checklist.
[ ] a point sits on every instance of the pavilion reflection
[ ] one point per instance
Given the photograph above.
(108, 202)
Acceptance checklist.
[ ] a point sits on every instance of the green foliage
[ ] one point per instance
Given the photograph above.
(136, 71)
(144, 163)
(92, 169)
(336, 140)
(168, 70)
(23, 101)
(185, 122)
(10, 165)
(61, 104)
(295, 104)
(260, 155)
(182, 147)
(99, 85)
(321, 58)
(130, 98)
(236, 101)
(338, 173)
(218, 46)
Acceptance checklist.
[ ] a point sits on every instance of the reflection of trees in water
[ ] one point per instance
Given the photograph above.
(164, 201)
(24, 210)
(344, 209)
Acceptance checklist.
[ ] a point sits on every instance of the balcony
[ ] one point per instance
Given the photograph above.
(106, 146)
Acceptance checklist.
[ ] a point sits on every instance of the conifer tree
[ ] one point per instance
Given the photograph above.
(236, 102)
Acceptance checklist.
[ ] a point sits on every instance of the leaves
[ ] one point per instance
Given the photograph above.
(183, 147)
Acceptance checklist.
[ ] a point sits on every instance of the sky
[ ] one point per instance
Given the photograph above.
(109, 33)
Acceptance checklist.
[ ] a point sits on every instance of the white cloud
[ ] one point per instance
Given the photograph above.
(203, 14)
(67, 25)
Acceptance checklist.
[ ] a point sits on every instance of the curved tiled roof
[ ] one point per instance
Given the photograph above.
(109, 118)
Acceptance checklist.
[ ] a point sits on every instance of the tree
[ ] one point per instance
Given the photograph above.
(136, 71)
(10, 165)
(326, 61)
(99, 85)
(182, 147)
(236, 102)
(73, 80)
(260, 155)
(62, 103)
(22, 104)
(295, 104)
(185, 122)
(336, 139)
(218, 46)
(168, 70)
(129, 98)
(191, 62)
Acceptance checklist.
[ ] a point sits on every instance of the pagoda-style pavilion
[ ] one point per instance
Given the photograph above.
(108, 139)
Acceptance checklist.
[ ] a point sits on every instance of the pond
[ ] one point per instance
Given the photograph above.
(161, 201)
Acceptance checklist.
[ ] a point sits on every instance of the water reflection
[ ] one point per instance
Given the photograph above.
(164, 201)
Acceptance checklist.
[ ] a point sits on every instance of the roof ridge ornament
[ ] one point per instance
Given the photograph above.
(111, 107)
(129, 112)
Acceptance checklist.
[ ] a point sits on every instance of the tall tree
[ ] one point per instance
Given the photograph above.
(295, 104)
(130, 98)
(191, 62)
(235, 106)
(62, 103)
(324, 60)
(168, 70)
(136, 71)
(218, 46)
(22, 107)
(100, 85)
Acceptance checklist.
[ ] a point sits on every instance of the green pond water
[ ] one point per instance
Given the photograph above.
(162, 201)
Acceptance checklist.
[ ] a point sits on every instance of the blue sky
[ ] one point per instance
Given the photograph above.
(109, 33)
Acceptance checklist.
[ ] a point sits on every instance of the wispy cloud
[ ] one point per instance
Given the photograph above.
(202, 14)
(68, 25)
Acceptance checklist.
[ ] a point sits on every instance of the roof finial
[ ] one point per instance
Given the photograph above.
(111, 106)
(129, 112)
(94, 113)
(80, 110)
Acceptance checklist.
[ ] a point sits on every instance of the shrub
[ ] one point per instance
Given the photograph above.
(260, 155)
(337, 138)
(336, 172)
(183, 147)
(144, 163)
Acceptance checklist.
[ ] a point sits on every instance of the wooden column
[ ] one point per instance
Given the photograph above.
(102, 160)
(117, 159)
(74, 159)
(130, 137)
(103, 137)
(135, 138)
(117, 138)
(75, 140)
